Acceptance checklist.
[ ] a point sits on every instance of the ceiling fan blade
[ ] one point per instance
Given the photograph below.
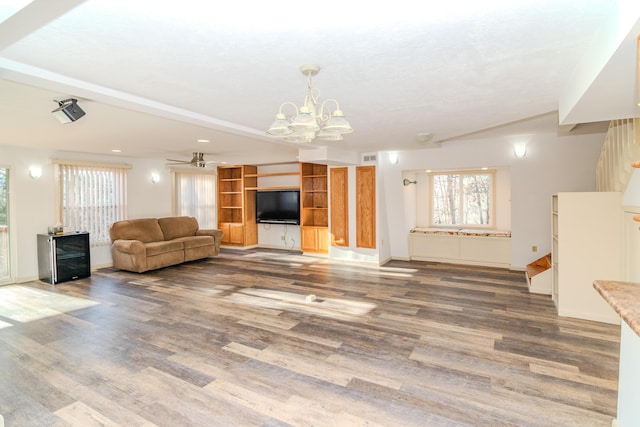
(178, 161)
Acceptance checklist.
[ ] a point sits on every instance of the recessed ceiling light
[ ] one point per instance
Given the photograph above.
(116, 150)
(203, 140)
(424, 137)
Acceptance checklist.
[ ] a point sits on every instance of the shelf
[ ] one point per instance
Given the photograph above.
(236, 206)
(636, 164)
(280, 187)
(636, 218)
(314, 217)
(258, 175)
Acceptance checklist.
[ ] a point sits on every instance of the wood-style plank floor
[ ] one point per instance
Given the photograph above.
(239, 340)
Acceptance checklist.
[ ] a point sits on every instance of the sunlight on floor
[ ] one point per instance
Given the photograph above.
(336, 308)
(403, 273)
(295, 259)
(25, 304)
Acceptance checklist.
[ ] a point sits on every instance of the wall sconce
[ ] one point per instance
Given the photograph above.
(155, 177)
(406, 182)
(520, 150)
(393, 158)
(35, 172)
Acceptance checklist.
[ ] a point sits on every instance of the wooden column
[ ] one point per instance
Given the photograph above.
(366, 207)
(339, 208)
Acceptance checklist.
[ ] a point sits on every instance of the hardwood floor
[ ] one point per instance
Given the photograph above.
(239, 340)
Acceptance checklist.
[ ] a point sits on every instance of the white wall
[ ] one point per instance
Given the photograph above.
(32, 203)
(553, 163)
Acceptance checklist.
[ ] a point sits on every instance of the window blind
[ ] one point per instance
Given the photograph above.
(91, 198)
(195, 195)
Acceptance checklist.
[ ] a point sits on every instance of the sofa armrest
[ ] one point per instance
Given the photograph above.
(129, 246)
(129, 255)
(216, 234)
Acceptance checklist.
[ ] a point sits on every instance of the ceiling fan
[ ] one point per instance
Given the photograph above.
(197, 161)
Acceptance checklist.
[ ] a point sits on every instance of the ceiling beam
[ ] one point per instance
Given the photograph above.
(32, 17)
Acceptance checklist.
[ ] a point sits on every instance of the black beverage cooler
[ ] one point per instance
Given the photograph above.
(63, 257)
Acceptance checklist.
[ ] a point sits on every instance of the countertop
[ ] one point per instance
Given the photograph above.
(624, 297)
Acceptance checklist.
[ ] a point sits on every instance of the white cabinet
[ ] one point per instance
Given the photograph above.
(632, 243)
(586, 246)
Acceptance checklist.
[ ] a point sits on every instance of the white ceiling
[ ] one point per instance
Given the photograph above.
(154, 76)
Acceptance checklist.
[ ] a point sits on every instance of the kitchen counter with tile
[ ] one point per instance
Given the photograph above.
(624, 297)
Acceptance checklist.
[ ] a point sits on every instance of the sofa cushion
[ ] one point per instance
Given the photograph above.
(196, 241)
(178, 226)
(157, 248)
(144, 229)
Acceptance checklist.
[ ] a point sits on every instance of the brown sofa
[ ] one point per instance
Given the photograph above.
(149, 243)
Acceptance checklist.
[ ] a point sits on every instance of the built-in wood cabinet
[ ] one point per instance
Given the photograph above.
(586, 246)
(339, 207)
(366, 207)
(314, 208)
(314, 239)
(236, 205)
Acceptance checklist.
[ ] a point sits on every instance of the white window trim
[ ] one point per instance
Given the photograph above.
(492, 172)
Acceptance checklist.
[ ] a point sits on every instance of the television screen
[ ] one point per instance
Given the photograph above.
(278, 207)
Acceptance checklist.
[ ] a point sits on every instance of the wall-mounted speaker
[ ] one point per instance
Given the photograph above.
(68, 111)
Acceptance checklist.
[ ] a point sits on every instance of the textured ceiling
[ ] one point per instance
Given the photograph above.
(155, 76)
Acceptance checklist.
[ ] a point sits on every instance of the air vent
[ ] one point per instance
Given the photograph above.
(369, 158)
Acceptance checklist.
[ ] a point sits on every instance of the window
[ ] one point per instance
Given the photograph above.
(91, 197)
(462, 198)
(194, 194)
(5, 263)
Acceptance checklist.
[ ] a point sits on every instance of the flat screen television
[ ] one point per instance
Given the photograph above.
(278, 207)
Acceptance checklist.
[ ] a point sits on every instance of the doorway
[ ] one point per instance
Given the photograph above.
(5, 259)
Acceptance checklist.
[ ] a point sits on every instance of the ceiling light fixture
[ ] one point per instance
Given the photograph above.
(309, 123)
(68, 111)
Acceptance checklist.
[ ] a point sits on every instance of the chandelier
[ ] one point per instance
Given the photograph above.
(309, 122)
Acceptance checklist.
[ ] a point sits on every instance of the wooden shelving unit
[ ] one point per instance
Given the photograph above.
(236, 205)
(314, 209)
